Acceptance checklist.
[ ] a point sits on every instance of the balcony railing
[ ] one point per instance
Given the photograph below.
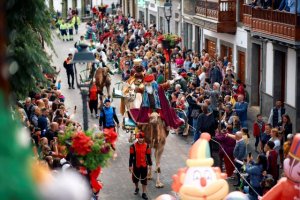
(281, 24)
(221, 11)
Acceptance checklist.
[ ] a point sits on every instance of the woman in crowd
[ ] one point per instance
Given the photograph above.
(255, 171)
(286, 127)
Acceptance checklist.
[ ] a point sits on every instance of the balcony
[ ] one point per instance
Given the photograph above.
(216, 15)
(281, 25)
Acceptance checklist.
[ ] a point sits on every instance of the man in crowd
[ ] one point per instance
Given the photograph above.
(276, 114)
(241, 108)
(108, 116)
(68, 65)
(239, 153)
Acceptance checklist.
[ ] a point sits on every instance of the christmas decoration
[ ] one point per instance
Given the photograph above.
(91, 149)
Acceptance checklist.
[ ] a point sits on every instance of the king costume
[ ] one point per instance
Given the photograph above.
(154, 100)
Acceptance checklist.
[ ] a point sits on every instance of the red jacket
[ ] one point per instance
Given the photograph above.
(140, 155)
(93, 93)
(256, 129)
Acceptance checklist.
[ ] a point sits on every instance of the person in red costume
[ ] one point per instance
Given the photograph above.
(139, 160)
(154, 100)
(288, 187)
(239, 90)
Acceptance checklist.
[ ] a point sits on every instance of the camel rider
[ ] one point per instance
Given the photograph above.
(63, 30)
(154, 100)
(138, 76)
(139, 160)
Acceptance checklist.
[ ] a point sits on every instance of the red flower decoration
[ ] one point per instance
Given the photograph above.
(96, 185)
(110, 135)
(82, 144)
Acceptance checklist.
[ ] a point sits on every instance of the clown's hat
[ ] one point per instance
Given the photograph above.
(200, 153)
(295, 148)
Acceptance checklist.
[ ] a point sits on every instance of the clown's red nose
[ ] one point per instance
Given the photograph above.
(203, 182)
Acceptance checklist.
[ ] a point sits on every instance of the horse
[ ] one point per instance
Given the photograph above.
(155, 135)
(103, 80)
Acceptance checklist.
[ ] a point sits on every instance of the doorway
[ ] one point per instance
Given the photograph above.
(241, 66)
(255, 74)
(226, 51)
(279, 75)
(210, 46)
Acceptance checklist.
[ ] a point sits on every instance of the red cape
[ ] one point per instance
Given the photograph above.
(166, 112)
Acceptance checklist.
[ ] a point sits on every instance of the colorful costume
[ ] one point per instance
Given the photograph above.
(154, 99)
(140, 158)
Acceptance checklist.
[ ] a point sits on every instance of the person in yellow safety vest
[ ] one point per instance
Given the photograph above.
(76, 22)
(70, 28)
(58, 23)
(63, 30)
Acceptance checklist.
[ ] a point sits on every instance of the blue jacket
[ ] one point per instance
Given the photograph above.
(239, 151)
(255, 174)
(43, 124)
(241, 110)
(215, 75)
(108, 117)
(145, 102)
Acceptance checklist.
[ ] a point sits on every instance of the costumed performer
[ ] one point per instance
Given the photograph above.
(154, 100)
(139, 160)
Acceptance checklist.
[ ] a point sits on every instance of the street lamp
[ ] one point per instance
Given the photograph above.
(83, 56)
(168, 12)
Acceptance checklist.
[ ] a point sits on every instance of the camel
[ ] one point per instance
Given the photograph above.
(130, 99)
(155, 135)
(103, 80)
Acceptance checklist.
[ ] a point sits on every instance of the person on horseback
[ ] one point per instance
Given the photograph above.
(139, 160)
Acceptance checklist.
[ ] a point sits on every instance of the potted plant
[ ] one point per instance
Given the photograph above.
(102, 8)
(169, 41)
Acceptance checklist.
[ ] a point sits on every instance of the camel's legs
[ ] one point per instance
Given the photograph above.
(158, 153)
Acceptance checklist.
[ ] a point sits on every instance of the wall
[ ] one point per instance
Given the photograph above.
(291, 78)
(57, 3)
(269, 68)
(238, 40)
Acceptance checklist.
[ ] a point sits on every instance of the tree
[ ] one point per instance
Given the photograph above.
(28, 28)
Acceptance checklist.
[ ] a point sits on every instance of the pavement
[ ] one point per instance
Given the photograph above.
(117, 184)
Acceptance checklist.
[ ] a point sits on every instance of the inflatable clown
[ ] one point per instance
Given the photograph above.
(288, 187)
(200, 180)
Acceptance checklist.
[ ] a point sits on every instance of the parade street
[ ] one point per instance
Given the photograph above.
(117, 184)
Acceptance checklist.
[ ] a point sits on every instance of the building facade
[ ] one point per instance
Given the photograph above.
(263, 45)
(274, 57)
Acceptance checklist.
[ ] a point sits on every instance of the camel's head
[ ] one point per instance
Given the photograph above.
(130, 94)
(153, 118)
(105, 71)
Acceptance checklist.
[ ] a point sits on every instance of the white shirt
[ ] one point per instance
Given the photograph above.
(202, 78)
(149, 89)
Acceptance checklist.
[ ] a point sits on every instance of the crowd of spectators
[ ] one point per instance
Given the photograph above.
(291, 6)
